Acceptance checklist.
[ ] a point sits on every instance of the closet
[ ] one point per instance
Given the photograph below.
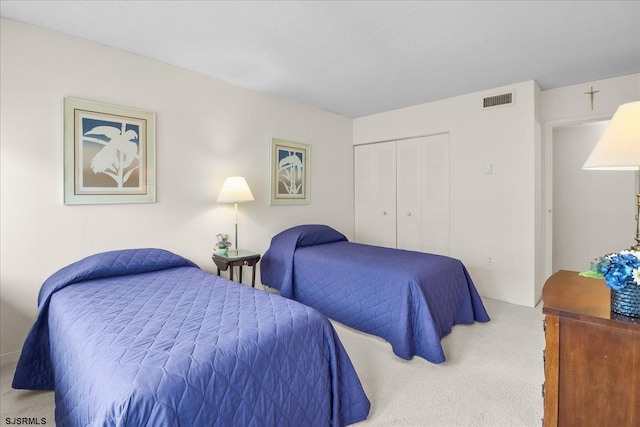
(402, 194)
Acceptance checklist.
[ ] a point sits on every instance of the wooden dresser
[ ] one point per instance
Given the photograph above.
(592, 356)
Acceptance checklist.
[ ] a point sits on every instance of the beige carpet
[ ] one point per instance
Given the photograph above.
(492, 377)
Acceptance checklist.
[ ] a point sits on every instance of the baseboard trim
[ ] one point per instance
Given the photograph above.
(8, 358)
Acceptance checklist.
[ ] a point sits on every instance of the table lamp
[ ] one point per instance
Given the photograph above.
(235, 190)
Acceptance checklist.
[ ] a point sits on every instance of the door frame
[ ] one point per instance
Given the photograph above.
(547, 179)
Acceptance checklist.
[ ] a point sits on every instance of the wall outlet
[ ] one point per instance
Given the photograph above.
(489, 260)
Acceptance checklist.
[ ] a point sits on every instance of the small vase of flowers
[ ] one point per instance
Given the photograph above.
(223, 244)
(621, 273)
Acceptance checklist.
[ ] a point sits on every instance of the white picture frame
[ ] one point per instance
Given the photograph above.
(109, 153)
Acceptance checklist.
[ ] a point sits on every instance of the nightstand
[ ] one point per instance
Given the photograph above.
(237, 259)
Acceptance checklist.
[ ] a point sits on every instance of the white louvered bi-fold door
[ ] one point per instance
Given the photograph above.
(409, 194)
(402, 194)
(375, 194)
(423, 194)
(435, 195)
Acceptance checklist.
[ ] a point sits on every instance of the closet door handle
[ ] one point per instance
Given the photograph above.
(408, 213)
(384, 212)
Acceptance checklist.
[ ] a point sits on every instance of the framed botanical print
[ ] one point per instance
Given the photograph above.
(109, 154)
(290, 172)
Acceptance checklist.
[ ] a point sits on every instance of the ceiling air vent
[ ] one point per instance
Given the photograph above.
(498, 100)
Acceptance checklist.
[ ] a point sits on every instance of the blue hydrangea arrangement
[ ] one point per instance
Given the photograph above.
(619, 269)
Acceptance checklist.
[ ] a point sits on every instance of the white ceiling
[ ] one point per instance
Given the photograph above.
(362, 57)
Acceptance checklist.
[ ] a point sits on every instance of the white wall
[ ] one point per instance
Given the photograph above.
(571, 102)
(206, 131)
(570, 105)
(491, 215)
(505, 215)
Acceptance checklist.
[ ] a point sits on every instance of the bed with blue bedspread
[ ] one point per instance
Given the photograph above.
(410, 299)
(145, 338)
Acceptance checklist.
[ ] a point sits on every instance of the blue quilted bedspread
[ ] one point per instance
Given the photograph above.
(411, 299)
(145, 338)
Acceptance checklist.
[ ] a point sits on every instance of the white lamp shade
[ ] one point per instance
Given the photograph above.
(235, 190)
(619, 147)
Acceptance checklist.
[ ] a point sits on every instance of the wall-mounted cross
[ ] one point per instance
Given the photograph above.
(592, 93)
